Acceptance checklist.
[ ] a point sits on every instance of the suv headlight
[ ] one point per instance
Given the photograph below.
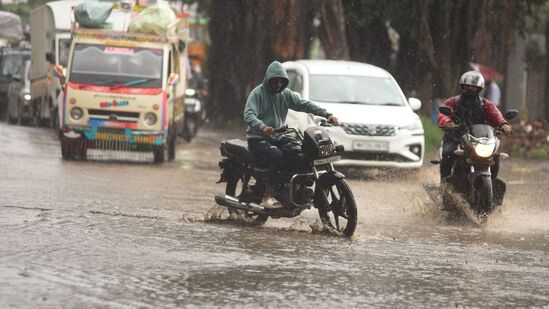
(416, 125)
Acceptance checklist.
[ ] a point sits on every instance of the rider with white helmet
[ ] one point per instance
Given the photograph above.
(471, 109)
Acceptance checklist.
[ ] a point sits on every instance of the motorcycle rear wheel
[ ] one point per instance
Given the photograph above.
(235, 188)
(337, 207)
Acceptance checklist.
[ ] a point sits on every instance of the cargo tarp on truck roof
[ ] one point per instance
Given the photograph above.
(92, 14)
(156, 19)
(10, 27)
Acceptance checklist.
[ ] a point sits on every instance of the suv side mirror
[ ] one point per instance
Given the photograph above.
(445, 110)
(511, 114)
(50, 58)
(415, 103)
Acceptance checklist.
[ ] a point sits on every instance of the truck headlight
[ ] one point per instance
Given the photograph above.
(77, 113)
(150, 119)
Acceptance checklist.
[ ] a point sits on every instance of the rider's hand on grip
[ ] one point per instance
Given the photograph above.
(506, 129)
(333, 120)
(450, 125)
(267, 130)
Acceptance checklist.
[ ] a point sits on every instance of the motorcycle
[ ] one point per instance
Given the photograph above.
(306, 179)
(474, 173)
(195, 113)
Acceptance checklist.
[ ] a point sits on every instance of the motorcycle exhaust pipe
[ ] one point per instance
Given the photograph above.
(229, 201)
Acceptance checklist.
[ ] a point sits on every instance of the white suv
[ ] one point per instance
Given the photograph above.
(378, 126)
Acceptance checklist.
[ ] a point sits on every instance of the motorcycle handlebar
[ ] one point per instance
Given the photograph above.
(455, 128)
(281, 129)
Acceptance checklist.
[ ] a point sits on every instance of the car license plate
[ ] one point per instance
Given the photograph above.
(371, 146)
(326, 160)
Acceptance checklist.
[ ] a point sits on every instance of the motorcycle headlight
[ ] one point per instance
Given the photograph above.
(27, 96)
(484, 150)
(150, 119)
(190, 92)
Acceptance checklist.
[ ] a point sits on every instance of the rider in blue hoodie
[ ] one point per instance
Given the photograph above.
(266, 109)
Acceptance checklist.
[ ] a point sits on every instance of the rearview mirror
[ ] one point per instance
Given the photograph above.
(173, 79)
(415, 103)
(445, 110)
(50, 58)
(511, 114)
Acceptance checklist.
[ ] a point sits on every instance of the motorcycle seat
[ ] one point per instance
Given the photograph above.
(237, 147)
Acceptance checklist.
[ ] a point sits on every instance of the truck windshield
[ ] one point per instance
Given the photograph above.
(355, 90)
(12, 63)
(116, 66)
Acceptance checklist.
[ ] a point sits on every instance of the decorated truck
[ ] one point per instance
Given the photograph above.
(123, 91)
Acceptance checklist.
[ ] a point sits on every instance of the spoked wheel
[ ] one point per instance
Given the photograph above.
(337, 207)
(235, 188)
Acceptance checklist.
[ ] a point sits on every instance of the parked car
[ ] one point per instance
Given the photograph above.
(378, 124)
(11, 60)
(19, 97)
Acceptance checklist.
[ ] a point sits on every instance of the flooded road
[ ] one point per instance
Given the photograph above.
(120, 232)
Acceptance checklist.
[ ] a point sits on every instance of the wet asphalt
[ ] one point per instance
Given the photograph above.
(117, 231)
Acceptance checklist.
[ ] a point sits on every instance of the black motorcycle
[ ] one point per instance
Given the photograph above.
(474, 173)
(307, 179)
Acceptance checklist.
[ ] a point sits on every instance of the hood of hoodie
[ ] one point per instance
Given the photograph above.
(275, 69)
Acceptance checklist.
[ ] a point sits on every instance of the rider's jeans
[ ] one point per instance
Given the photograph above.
(448, 158)
(266, 151)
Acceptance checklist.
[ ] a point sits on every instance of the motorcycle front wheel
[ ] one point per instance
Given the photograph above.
(484, 194)
(337, 207)
(236, 188)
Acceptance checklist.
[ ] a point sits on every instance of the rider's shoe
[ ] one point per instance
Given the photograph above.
(271, 203)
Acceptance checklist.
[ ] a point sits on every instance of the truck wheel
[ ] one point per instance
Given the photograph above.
(171, 145)
(158, 153)
(35, 120)
(82, 149)
(67, 149)
(12, 120)
(53, 123)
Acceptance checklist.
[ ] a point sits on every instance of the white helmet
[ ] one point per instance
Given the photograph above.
(472, 78)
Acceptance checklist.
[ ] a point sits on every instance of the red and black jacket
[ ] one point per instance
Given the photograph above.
(491, 112)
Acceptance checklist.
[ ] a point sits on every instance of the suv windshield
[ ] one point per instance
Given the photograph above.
(117, 66)
(354, 89)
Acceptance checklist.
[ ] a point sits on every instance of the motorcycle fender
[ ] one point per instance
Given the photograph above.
(330, 177)
(227, 169)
